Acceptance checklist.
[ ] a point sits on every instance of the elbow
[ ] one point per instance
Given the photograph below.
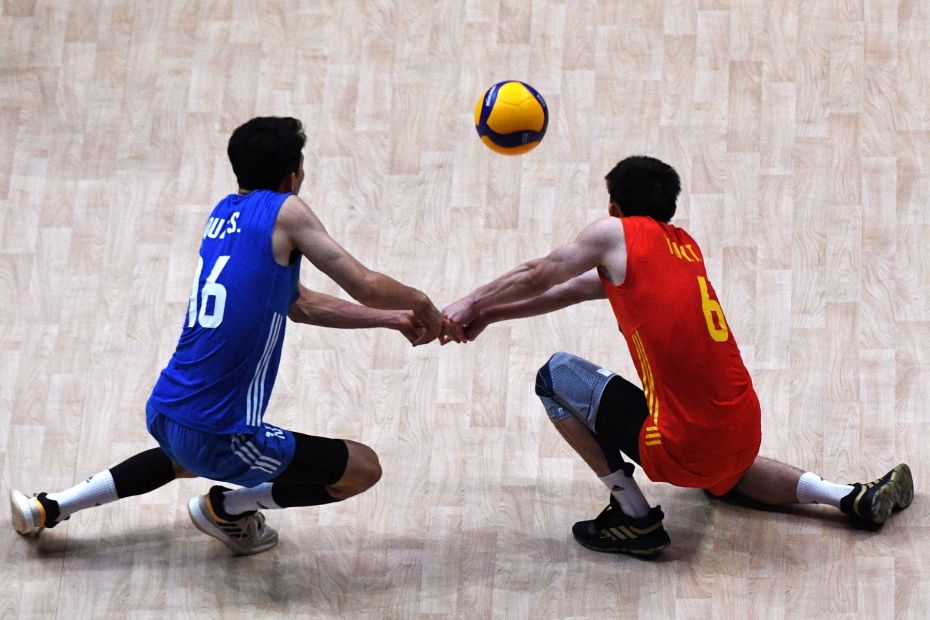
(535, 276)
(305, 308)
(565, 298)
(302, 310)
(568, 296)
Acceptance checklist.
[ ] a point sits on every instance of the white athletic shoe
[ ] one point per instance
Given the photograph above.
(246, 536)
(28, 514)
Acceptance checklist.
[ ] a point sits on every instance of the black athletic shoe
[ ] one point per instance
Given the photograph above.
(614, 532)
(871, 503)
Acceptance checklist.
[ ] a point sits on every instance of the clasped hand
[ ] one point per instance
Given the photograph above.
(458, 322)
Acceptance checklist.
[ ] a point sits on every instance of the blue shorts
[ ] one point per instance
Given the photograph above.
(244, 460)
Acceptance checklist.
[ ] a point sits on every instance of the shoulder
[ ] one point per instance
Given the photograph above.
(606, 232)
(293, 206)
(295, 212)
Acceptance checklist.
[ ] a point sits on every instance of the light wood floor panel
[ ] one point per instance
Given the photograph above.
(802, 134)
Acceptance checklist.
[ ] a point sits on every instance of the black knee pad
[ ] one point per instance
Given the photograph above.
(317, 460)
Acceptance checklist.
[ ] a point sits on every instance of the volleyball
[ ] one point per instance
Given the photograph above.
(511, 118)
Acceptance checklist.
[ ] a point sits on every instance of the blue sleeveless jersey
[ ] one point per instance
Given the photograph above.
(220, 377)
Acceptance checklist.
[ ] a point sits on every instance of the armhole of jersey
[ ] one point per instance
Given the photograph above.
(294, 267)
(630, 229)
(293, 260)
(269, 248)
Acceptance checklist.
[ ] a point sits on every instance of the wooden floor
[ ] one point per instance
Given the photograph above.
(801, 130)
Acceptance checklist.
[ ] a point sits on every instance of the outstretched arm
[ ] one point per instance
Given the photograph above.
(599, 243)
(316, 308)
(581, 288)
(299, 228)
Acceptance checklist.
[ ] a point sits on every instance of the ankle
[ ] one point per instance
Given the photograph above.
(812, 489)
(216, 498)
(50, 510)
(626, 492)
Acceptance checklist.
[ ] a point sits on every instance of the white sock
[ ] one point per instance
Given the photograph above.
(97, 490)
(245, 499)
(627, 493)
(812, 489)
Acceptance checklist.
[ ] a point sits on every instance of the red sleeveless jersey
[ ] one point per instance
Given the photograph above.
(704, 424)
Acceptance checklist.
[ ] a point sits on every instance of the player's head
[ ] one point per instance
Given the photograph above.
(265, 153)
(641, 185)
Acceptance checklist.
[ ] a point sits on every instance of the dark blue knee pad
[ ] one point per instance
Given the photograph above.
(545, 389)
(544, 380)
(579, 381)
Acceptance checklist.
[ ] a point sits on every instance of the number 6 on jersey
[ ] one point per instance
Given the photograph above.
(711, 308)
(211, 288)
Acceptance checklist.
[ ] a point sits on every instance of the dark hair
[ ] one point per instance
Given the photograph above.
(265, 150)
(642, 185)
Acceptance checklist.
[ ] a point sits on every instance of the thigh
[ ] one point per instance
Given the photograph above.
(621, 412)
(241, 459)
(316, 460)
(264, 455)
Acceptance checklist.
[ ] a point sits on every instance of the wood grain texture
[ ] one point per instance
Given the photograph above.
(802, 134)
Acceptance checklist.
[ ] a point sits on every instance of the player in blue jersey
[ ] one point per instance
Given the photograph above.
(206, 409)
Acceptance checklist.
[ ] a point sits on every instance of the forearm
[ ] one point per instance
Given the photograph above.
(316, 308)
(522, 284)
(413, 312)
(556, 298)
(386, 293)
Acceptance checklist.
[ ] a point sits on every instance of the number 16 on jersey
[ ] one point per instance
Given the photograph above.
(208, 317)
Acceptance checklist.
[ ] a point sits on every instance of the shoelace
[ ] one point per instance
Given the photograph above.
(254, 527)
(601, 519)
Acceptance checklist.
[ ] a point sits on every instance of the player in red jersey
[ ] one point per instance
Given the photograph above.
(696, 421)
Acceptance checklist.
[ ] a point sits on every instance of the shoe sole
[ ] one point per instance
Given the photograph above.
(203, 523)
(646, 554)
(21, 513)
(896, 495)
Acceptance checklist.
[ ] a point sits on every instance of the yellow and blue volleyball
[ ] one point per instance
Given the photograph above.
(511, 118)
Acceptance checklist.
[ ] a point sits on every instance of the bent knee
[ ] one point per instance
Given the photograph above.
(371, 470)
(364, 467)
(544, 382)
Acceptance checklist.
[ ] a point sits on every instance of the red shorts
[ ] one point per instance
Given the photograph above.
(712, 459)
(717, 476)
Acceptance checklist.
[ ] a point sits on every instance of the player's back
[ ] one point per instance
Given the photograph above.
(698, 389)
(221, 374)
